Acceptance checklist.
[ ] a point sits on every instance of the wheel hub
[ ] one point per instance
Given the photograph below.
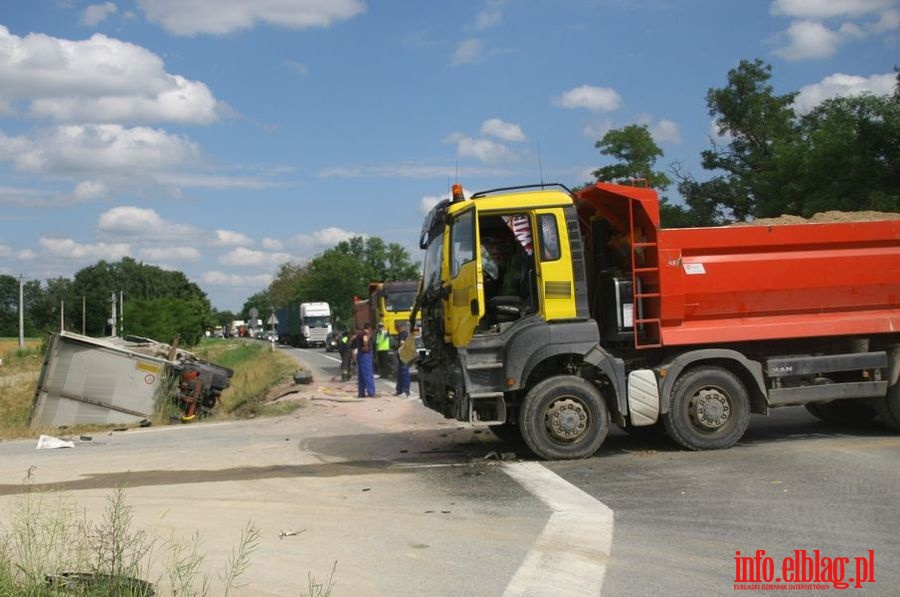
(710, 409)
(566, 419)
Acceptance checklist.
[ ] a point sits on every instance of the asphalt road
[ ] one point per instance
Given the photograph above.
(408, 503)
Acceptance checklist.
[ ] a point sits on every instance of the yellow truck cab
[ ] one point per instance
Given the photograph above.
(499, 303)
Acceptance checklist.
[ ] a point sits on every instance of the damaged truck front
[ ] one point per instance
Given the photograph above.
(115, 381)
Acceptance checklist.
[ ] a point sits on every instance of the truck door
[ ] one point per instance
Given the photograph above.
(555, 283)
(465, 294)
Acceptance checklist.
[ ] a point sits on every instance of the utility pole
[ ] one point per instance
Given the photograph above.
(121, 314)
(21, 312)
(113, 323)
(83, 313)
(62, 315)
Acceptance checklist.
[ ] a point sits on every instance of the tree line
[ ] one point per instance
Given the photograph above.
(158, 303)
(768, 159)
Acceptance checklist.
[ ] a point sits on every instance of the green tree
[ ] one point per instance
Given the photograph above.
(636, 151)
(339, 274)
(166, 319)
(849, 158)
(136, 281)
(759, 127)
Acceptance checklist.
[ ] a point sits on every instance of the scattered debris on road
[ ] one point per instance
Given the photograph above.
(48, 442)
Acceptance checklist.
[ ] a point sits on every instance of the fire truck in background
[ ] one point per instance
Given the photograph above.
(613, 318)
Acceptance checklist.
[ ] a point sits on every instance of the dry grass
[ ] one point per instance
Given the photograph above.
(18, 380)
(256, 370)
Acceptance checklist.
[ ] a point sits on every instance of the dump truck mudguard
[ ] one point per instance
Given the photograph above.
(684, 360)
(534, 344)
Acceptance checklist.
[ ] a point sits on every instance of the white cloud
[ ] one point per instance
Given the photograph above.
(219, 17)
(7, 252)
(100, 79)
(216, 278)
(841, 85)
(504, 131)
(596, 99)
(427, 203)
(140, 224)
(243, 257)
(296, 67)
(469, 51)
(887, 22)
(666, 130)
(483, 150)
(490, 16)
(167, 253)
(809, 39)
(229, 238)
(67, 248)
(96, 13)
(826, 9)
(326, 237)
(663, 130)
(596, 130)
(104, 148)
(87, 190)
(271, 244)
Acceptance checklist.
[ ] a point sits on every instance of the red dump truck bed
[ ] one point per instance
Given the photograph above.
(741, 283)
(788, 281)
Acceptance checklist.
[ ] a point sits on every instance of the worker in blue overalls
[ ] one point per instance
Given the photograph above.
(363, 348)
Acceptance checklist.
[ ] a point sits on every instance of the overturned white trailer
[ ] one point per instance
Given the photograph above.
(92, 381)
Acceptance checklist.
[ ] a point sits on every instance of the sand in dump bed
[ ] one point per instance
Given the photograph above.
(824, 217)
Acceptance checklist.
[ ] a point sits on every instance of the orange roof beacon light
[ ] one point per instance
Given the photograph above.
(458, 193)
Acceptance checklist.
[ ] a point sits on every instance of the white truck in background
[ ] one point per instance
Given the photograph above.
(315, 323)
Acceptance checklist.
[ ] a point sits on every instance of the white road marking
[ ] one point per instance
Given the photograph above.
(571, 555)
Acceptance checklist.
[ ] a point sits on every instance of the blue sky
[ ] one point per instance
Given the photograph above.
(224, 137)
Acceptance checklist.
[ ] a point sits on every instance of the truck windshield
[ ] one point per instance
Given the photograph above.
(399, 301)
(317, 321)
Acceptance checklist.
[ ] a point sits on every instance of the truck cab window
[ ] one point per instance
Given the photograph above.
(549, 237)
(462, 242)
(507, 254)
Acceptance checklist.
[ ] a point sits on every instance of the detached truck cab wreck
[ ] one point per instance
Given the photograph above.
(548, 314)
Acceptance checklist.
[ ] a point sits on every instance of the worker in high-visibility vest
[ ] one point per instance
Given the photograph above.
(382, 350)
(346, 355)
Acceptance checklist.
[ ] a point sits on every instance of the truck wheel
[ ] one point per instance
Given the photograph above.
(843, 412)
(888, 408)
(564, 417)
(708, 409)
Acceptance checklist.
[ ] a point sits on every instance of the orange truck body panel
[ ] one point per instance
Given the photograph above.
(728, 284)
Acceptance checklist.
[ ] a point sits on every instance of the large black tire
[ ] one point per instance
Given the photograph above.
(843, 412)
(709, 409)
(564, 418)
(888, 408)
